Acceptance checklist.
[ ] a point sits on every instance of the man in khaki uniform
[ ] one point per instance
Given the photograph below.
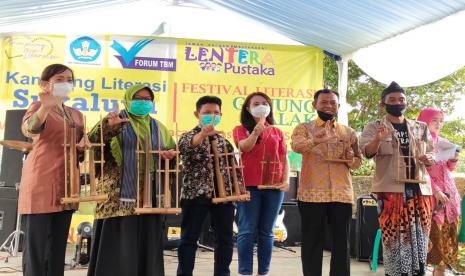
(405, 207)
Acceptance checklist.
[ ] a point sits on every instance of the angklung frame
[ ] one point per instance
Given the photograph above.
(75, 191)
(162, 204)
(405, 164)
(232, 170)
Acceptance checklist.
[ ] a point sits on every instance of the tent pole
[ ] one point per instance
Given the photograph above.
(343, 76)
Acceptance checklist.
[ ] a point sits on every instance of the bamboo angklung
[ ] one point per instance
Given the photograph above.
(73, 169)
(267, 181)
(162, 188)
(232, 169)
(406, 167)
(337, 151)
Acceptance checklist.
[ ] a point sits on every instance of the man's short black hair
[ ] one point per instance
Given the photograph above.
(206, 100)
(324, 91)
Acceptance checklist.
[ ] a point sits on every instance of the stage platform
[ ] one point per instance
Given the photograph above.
(284, 263)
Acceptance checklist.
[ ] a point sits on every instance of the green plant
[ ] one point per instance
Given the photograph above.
(461, 163)
(363, 95)
(366, 169)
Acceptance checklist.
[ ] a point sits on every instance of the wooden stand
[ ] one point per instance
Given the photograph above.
(402, 165)
(266, 172)
(337, 151)
(73, 170)
(144, 202)
(232, 169)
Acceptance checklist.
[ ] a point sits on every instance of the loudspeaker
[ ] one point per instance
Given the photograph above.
(172, 230)
(290, 197)
(8, 210)
(366, 227)
(293, 225)
(12, 160)
(173, 227)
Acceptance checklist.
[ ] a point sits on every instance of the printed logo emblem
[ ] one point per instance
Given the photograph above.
(85, 49)
(145, 54)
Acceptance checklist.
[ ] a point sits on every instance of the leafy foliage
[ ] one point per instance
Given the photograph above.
(366, 169)
(363, 95)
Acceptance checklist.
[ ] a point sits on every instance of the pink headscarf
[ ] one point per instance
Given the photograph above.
(426, 115)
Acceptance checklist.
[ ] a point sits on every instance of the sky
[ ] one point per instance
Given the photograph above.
(459, 110)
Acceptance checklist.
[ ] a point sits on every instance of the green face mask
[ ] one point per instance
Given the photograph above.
(140, 108)
(206, 119)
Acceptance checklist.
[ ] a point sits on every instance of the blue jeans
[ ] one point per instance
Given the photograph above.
(256, 221)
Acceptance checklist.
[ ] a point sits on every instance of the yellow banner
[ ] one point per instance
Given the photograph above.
(179, 71)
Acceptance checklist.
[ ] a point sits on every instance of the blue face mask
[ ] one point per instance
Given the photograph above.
(206, 119)
(140, 108)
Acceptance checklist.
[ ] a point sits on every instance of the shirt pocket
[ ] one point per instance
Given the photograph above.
(385, 148)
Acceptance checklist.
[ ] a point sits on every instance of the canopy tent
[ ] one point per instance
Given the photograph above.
(389, 40)
(419, 57)
(181, 19)
(412, 42)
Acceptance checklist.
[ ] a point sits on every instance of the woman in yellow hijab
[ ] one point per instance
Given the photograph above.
(126, 244)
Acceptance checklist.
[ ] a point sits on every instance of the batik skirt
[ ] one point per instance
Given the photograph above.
(443, 244)
(405, 223)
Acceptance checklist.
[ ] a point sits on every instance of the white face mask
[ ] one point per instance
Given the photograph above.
(62, 89)
(261, 110)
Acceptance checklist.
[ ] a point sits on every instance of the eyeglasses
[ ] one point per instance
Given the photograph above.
(142, 99)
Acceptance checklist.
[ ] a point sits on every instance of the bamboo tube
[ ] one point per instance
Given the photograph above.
(219, 176)
(147, 179)
(158, 187)
(72, 156)
(167, 199)
(235, 182)
(102, 144)
(228, 170)
(138, 200)
(65, 147)
(176, 165)
(93, 190)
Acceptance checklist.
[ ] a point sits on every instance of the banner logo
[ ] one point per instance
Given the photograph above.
(237, 60)
(25, 47)
(134, 58)
(85, 49)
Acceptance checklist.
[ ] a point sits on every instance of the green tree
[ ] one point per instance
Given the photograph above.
(363, 95)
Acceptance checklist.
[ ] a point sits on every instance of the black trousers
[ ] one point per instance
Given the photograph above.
(314, 217)
(45, 243)
(193, 215)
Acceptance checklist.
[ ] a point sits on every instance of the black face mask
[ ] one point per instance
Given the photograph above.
(325, 116)
(396, 110)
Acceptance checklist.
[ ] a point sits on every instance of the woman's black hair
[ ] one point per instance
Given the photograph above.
(54, 69)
